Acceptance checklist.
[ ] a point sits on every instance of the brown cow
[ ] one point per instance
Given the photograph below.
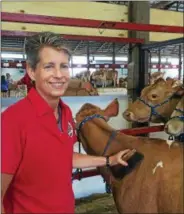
(156, 184)
(156, 103)
(79, 88)
(105, 75)
(175, 126)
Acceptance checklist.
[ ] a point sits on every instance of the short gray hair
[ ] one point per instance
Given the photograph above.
(35, 43)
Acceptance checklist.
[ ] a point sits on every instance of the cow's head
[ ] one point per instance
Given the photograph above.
(89, 109)
(158, 98)
(175, 126)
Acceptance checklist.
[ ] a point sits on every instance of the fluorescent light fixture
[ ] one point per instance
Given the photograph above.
(11, 56)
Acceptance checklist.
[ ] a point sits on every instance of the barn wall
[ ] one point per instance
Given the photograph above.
(88, 10)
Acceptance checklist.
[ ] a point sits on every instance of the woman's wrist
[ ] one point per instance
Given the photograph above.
(108, 161)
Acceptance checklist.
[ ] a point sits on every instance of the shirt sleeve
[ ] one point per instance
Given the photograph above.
(11, 149)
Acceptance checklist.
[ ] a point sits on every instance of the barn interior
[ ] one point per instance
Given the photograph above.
(118, 47)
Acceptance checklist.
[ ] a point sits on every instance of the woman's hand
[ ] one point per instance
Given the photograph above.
(121, 157)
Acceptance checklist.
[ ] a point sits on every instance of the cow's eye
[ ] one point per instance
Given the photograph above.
(154, 96)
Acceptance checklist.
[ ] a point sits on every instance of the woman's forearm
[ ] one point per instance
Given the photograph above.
(85, 161)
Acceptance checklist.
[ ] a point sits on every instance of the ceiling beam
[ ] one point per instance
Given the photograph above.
(162, 4)
(166, 7)
(77, 37)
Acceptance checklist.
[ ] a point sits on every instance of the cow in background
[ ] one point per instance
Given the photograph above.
(175, 126)
(156, 102)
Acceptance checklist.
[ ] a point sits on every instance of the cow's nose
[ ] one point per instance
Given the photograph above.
(128, 115)
(166, 127)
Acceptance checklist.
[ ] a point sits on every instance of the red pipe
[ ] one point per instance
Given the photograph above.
(134, 131)
(77, 37)
(142, 130)
(89, 23)
(13, 64)
(86, 174)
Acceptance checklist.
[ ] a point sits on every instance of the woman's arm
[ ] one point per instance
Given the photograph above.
(87, 161)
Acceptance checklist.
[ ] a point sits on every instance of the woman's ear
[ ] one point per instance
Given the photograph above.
(30, 72)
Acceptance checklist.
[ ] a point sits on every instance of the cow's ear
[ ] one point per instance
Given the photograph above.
(180, 91)
(159, 81)
(112, 109)
(176, 83)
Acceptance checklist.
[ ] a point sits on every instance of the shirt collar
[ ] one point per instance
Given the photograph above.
(40, 105)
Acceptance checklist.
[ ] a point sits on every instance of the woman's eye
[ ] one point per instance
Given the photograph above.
(64, 66)
(48, 66)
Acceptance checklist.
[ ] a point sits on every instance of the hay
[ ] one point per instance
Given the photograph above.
(97, 203)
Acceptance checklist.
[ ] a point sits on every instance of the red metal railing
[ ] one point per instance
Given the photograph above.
(134, 131)
(22, 64)
(88, 23)
(77, 37)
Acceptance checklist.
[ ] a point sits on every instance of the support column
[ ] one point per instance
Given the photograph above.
(159, 59)
(113, 54)
(88, 56)
(180, 62)
(114, 61)
(139, 12)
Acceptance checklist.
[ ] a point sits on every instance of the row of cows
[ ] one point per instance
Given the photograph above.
(109, 77)
(85, 84)
(155, 185)
(103, 78)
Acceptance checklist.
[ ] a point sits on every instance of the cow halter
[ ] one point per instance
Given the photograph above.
(88, 118)
(179, 138)
(153, 107)
(180, 117)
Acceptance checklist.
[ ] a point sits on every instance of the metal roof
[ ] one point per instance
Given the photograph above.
(15, 44)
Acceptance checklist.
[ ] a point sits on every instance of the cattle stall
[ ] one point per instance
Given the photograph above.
(158, 47)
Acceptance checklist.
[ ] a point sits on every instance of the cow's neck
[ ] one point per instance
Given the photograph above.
(97, 134)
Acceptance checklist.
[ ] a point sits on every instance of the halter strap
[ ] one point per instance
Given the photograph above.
(88, 118)
(153, 107)
(180, 117)
(179, 138)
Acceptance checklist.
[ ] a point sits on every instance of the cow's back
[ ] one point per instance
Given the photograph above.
(170, 197)
(156, 185)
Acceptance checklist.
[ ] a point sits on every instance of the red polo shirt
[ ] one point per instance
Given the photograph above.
(27, 81)
(39, 155)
